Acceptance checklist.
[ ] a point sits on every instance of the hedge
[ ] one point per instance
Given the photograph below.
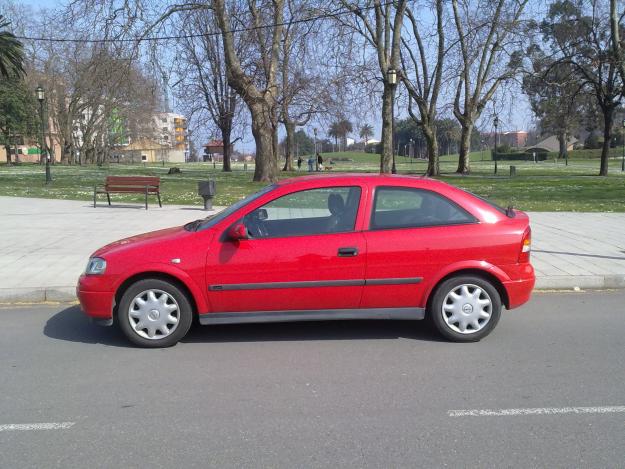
(518, 156)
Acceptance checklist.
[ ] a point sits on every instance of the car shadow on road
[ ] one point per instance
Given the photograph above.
(312, 330)
(72, 325)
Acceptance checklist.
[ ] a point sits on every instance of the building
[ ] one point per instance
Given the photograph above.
(514, 138)
(551, 144)
(214, 150)
(171, 130)
(27, 149)
(145, 150)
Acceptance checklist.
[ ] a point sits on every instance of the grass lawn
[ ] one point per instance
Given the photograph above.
(544, 186)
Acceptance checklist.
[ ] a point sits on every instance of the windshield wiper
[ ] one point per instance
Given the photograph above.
(193, 226)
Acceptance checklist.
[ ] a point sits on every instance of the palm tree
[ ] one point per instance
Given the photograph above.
(344, 127)
(11, 52)
(366, 131)
(339, 130)
(335, 133)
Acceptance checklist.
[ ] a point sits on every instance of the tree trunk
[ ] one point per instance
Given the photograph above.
(266, 167)
(275, 140)
(290, 145)
(7, 149)
(65, 153)
(607, 135)
(225, 138)
(464, 162)
(387, 128)
(562, 141)
(432, 144)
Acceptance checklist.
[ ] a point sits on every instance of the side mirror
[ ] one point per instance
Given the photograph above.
(237, 232)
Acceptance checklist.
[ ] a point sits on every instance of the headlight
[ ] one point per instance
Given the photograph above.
(95, 266)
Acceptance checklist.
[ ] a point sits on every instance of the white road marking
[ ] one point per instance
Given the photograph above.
(536, 411)
(12, 427)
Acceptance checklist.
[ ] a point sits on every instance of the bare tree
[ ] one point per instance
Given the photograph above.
(422, 76)
(615, 30)
(380, 25)
(92, 87)
(202, 70)
(303, 91)
(579, 34)
(257, 86)
(487, 35)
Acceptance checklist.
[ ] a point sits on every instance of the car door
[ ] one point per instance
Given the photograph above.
(303, 253)
(412, 234)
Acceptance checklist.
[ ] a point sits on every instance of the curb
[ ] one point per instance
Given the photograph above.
(587, 282)
(554, 282)
(38, 295)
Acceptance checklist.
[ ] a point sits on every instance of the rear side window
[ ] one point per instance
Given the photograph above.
(404, 207)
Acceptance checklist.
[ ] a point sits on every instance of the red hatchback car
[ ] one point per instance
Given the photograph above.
(349, 246)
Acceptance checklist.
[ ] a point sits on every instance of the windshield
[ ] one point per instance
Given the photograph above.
(212, 220)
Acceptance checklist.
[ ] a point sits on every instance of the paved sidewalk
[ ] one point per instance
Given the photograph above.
(44, 244)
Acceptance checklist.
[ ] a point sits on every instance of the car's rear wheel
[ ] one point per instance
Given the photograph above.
(465, 308)
(154, 313)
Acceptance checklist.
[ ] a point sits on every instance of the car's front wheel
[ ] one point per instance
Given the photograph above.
(154, 313)
(465, 308)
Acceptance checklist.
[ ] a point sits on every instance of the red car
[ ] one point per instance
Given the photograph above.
(351, 246)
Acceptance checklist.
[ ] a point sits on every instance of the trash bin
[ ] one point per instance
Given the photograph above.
(207, 190)
(512, 171)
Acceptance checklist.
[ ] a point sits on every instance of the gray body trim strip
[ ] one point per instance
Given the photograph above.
(276, 285)
(393, 281)
(312, 315)
(314, 283)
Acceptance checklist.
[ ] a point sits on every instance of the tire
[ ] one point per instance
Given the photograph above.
(465, 308)
(161, 307)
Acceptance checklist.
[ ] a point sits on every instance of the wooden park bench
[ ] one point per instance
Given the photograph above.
(130, 184)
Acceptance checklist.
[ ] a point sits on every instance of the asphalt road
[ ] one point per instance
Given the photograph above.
(342, 394)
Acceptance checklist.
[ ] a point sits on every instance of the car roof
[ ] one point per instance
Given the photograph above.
(377, 178)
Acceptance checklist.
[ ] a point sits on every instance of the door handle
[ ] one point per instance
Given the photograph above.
(348, 252)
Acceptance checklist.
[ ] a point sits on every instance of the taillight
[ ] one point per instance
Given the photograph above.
(526, 246)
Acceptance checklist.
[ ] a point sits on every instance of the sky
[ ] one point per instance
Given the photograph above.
(514, 115)
(43, 3)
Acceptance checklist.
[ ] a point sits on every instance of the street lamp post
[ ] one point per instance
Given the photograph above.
(391, 77)
(41, 97)
(623, 159)
(315, 152)
(496, 124)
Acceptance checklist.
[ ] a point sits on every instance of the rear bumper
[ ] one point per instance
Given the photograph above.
(98, 305)
(520, 291)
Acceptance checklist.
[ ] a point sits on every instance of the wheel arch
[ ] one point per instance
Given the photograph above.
(121, 289)
(484, 274)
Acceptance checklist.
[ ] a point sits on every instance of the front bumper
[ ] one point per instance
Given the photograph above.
(95, 303)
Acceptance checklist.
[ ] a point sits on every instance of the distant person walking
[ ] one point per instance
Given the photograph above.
(310, 164)
(299, 163)
(319, 162)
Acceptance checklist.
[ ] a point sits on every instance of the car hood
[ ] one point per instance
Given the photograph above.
(143, 240)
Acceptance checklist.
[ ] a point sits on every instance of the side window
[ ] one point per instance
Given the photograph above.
(403, 207)
(314, 211)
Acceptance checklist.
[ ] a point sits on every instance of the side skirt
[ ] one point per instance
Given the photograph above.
(312, 315)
